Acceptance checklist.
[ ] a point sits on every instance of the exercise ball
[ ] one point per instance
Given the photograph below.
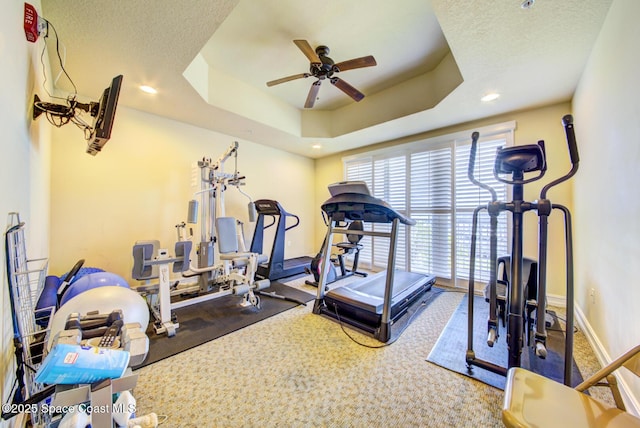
(82, 272)
(104, 300)
(49, 296)
(91, 281)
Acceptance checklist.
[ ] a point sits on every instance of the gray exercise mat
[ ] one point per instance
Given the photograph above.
(450, 349)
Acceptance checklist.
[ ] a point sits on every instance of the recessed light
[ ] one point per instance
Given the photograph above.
(490, 97)
(148, 89)
(316, 146)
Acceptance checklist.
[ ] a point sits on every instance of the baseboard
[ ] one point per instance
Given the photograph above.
(557, 301)
(631, 402)
(601, 354)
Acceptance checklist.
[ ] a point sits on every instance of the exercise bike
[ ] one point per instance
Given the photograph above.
(517, 161)
(351, 246)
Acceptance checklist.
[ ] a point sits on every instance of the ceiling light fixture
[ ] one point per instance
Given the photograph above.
(490, 97)
(316, 146)
(148, 89)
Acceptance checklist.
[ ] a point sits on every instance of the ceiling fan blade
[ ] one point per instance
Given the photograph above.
(347, 88)
(313, 94)
(365, 61)
(308, 51)
(287, 79)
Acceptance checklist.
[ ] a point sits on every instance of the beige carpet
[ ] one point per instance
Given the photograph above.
(298, 369)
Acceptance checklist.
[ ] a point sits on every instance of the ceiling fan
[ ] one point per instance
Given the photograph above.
(322, 67)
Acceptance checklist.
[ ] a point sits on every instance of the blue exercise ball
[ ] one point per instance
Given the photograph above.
(49, 296)
(82, 272)
(91, 281)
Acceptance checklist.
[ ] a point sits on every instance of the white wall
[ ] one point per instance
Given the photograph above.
(139, 186)
(24, 146)
(607, 114)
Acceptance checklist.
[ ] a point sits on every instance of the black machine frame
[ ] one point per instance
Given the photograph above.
(518, 160)
(338, 268)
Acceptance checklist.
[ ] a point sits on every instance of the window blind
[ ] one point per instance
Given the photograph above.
(427, 181)
(362, 170)
(389, 184)
(431, 207)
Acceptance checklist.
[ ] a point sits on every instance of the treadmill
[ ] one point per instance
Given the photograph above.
(277, 266)
(373, 304)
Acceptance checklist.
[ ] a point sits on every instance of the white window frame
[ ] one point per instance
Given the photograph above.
(453, 140)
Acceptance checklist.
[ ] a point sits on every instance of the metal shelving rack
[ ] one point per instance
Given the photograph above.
(26, 278)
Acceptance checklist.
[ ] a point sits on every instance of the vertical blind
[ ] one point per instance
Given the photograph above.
(427, 181)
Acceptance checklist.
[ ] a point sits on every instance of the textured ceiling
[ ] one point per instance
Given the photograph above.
(210, 62)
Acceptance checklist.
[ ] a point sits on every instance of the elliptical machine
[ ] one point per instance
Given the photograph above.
(517, 161)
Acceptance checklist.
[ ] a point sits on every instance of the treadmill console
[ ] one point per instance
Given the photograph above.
(358, 206)
(360, 187)
(268, 207)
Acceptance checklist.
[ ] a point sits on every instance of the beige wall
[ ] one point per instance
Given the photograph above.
(25, 151)
(606, 105)
(531, 126)
(139, 186)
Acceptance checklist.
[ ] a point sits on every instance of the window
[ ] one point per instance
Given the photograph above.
(427, 181)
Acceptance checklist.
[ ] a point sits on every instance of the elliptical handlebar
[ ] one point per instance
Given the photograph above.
(472, 161)
(567, 122)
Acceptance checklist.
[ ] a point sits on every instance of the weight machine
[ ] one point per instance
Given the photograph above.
(231, 272)
(517, 161)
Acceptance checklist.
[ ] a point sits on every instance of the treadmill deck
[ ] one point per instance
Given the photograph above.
(368, 294)
(361, 302)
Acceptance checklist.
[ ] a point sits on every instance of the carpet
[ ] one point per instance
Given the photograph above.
(450, 349)
(400, 325)
(209, 320)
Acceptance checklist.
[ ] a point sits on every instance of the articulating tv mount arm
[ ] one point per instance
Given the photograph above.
(62, 110)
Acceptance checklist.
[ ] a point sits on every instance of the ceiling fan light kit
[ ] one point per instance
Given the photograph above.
(322, 67)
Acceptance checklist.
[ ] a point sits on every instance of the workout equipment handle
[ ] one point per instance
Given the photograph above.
(472, 154)
(472, 161)
(567, 121)
(295, 224)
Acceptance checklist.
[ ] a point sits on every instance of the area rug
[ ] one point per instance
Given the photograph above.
(209, 320)
(450, 349)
